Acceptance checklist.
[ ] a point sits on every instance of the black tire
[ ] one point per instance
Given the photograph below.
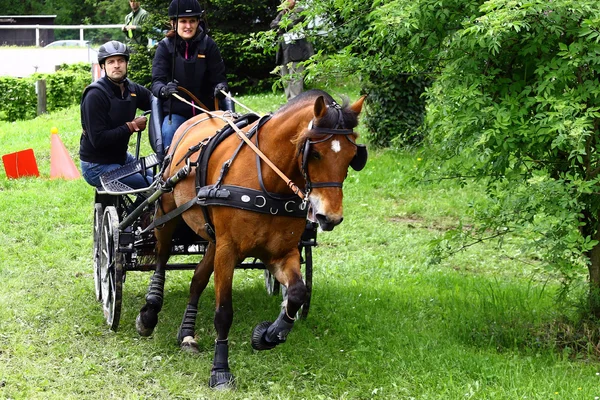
(272, 285)
(111, 268)
(98, 211)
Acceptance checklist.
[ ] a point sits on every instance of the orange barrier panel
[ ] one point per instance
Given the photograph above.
(20, 164)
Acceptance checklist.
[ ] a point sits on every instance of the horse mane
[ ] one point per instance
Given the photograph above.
(329, 120)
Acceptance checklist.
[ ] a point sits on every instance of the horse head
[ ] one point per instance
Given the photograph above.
(326, 148)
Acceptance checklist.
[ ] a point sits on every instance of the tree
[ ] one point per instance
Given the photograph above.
(395, 48)
(519, 98)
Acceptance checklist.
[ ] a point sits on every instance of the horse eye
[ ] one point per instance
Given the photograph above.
(315, 155)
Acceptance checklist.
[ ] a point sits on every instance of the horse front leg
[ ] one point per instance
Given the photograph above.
(267, 335)
(147, 319)
(186, 334)
(220, 374)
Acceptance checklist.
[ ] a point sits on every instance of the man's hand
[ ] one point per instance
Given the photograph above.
(221, 86)
(138, 124)
(169, 89)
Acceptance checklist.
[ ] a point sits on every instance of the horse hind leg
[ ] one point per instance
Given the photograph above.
(147, 319)
(187, 329)
(267, 335)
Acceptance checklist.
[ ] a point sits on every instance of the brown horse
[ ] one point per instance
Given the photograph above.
(311, 140)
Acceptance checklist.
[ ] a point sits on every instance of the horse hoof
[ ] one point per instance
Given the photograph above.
(258, 337)
(189, 345)
(141, 329)
(221, 380)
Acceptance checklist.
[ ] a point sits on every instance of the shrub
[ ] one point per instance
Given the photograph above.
(63, 89)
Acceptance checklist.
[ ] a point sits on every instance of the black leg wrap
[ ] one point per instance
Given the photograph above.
(220, 376)
(278, 331)
(156, 291)
(188, 325)
(266, 335)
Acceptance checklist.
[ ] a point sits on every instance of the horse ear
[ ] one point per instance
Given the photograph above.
(320, 107)
(358, 104)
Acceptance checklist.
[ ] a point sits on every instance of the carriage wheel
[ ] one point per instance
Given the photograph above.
(111, 268)
(271, 283)
(303, 311)
(98, 210)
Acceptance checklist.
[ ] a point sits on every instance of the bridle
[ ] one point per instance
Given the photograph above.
(357, 163)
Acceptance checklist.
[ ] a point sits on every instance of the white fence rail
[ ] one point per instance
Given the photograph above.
(39, 27)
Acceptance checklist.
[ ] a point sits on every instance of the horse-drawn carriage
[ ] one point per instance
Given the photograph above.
(221, 196)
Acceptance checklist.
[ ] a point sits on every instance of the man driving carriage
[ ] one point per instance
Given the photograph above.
(187, 57)
(108, 118)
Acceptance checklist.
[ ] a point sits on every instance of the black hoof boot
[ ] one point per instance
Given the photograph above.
(221, 380)
(258, 337)
(146, 321)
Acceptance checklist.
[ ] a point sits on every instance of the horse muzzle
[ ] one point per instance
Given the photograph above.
(327, 223)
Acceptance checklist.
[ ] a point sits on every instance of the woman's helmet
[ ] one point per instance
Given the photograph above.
(185, 8)
(112, 48)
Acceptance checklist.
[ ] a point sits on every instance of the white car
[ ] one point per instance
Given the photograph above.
(69, 43)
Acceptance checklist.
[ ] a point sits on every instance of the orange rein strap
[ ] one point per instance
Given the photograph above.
(297, 191)
(194, 98)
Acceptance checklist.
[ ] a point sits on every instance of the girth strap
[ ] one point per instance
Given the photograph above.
(252, 200)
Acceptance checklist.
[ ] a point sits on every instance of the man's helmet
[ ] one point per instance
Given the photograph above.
(187, 8)
(112, 48)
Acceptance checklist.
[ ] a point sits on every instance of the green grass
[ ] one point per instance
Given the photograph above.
(384, 323)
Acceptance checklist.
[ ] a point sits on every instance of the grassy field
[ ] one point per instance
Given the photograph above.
(384, 323)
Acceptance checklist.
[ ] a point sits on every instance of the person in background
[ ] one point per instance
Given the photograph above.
(293, 48)
(133, 22)
(189, 58)
(108, 108)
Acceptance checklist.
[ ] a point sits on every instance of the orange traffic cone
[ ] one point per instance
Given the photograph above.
(20, 164)
(61, 164)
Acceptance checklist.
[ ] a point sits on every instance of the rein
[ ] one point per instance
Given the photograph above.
(194, 98)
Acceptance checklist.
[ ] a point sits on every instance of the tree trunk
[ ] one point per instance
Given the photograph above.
(594, 269)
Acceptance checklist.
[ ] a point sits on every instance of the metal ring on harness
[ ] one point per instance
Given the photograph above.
(263, 199)
(285, 207)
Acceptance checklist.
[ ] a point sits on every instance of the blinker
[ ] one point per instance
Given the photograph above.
(360, 158)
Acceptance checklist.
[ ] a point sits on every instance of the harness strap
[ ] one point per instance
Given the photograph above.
(242, 135)
(170, 215)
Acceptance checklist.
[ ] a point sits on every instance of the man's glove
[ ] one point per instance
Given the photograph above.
(167, 90)
(221, 86)
(137, 125)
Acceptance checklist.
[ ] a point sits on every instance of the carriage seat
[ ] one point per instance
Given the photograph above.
(155, 128)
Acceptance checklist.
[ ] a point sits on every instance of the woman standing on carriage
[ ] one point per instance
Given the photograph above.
(189, 58)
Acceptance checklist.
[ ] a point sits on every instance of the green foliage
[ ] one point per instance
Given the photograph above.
(140, 65)
(396, 49)
(520, 97)
(19, 100)
(395, 110)
(63, 89)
